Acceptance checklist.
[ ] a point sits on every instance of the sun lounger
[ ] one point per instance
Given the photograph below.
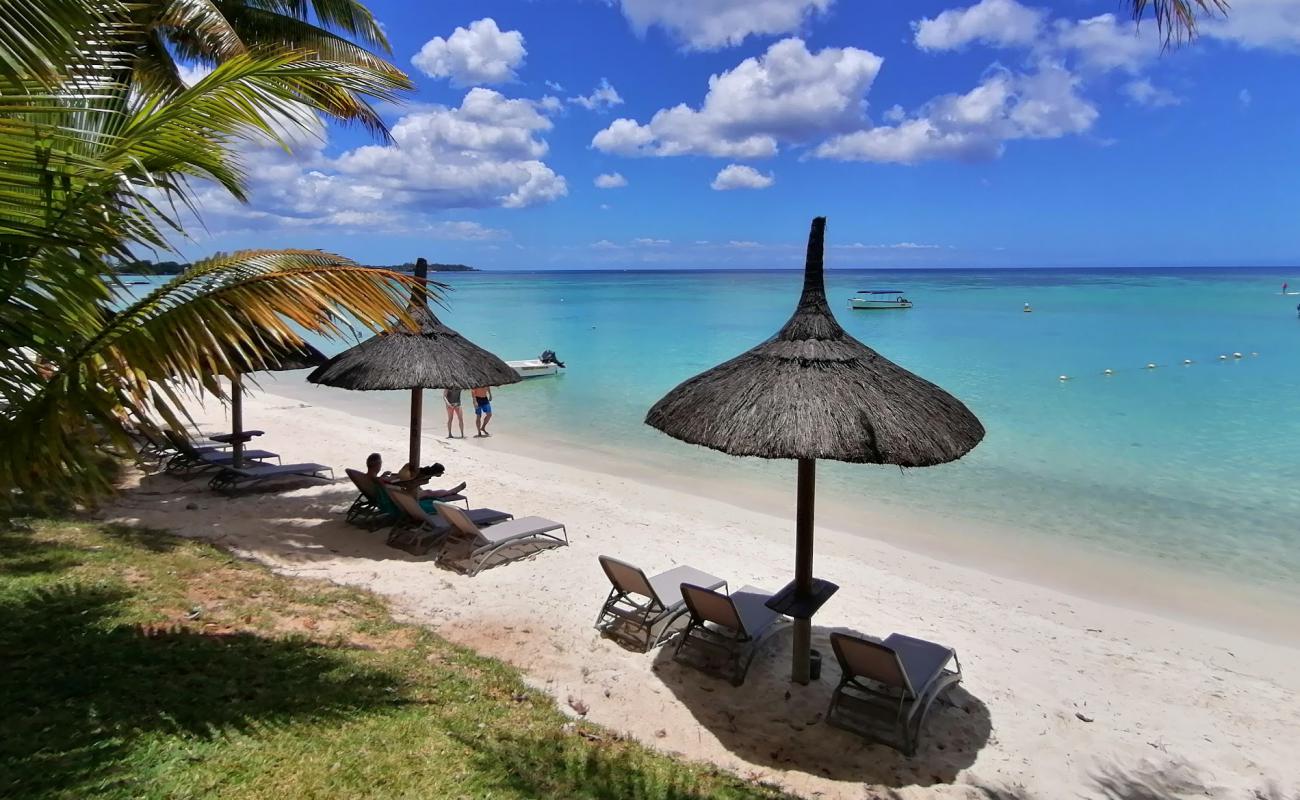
(159, 444)
(151, 444)
(488, 542)
(902, 674)
(736, 624)
(231, 479)
(227, 438)
(637, 603)
(189, 460)
(365, 510)
(417, 528)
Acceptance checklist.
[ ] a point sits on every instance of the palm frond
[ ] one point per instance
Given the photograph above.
(349, 16)
(147, 358)
(1176, 20)
(39, 40)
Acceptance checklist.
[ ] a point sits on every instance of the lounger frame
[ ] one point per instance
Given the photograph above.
(232, 479)
(189, 459)
(481, 554)
(633, 602)
(729, 634)
(417, 528)
(890, 688)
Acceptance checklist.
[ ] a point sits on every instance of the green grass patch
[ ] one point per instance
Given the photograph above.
(141, 665)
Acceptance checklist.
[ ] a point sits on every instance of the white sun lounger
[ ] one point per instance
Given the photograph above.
(416, 527)
(189, 459)
(488, 541)
(637, 603)
(903, 674)
(736, 624)
(231, 479)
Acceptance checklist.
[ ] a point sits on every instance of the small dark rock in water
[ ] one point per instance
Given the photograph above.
(191, 506)
(1083, 716)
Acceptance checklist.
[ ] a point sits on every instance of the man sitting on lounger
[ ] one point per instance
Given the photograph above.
(375, 463)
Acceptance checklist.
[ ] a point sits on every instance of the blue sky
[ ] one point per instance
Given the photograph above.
(931, 134)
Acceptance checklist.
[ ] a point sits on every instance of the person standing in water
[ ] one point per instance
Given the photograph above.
(452, 398)
(482, 408)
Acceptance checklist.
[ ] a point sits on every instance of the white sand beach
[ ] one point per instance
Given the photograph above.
(1061, 693)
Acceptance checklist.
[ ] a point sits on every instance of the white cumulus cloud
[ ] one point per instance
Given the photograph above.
(610, 180)
(711, 24)
(1101, 43)
(1144, 93)
(1106, 42)
(994, 22)
(485, 153)
(603, 97)
(473, 56)
(1271, 24)
(737, 176)
(1044, 104)
(787, 94)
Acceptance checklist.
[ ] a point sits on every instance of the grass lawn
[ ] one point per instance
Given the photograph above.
(137, 664)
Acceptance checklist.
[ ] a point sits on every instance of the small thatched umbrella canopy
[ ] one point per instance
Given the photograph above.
(278, 358)
(813, 391)
(432, 357)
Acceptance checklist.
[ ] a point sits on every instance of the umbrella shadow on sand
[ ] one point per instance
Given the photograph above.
(770, 722)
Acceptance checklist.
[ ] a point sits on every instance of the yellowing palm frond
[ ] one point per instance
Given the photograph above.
(171, 344)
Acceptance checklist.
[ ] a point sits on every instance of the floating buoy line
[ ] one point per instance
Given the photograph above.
(1152, 365)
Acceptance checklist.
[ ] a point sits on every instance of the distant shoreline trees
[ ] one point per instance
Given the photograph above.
(146, 267)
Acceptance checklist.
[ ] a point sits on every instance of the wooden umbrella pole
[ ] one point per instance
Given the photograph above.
(237, 420)
(419, 299)
(803, 572)
(417, 412)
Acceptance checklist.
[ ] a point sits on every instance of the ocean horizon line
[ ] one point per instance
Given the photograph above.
(1283, 269)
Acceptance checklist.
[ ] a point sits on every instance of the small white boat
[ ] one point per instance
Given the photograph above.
(533, 368)
(873, 299)
(547, 364)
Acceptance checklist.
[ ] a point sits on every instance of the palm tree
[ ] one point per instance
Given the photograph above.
(208, 32)
(1176, 19)
(92, 166)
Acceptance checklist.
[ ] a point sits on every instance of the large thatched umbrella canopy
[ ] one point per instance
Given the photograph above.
(813, 391)
(274, 357)
(429, 356)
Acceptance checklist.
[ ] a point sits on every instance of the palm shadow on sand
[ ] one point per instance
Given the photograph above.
(771, 722)
(297, 526)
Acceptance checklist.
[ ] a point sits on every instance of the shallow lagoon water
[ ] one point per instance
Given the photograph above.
(1195, 466)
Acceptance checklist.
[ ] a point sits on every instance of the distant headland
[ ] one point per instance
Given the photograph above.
(410, 267)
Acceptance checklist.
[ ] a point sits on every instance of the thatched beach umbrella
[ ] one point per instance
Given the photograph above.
(432, 356)
(812, 391)
(279, 358)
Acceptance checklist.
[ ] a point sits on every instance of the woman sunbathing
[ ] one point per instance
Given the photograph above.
(408, 479)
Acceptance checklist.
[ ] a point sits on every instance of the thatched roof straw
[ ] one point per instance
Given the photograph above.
(280, 358)
(432, 357)
(813, 391)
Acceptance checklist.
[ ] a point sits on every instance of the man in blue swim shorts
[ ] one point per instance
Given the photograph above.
(482, 409)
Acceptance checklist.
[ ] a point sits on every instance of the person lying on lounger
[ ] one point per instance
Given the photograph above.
(405, 478)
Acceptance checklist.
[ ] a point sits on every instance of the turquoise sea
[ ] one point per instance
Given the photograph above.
(1195, 466)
